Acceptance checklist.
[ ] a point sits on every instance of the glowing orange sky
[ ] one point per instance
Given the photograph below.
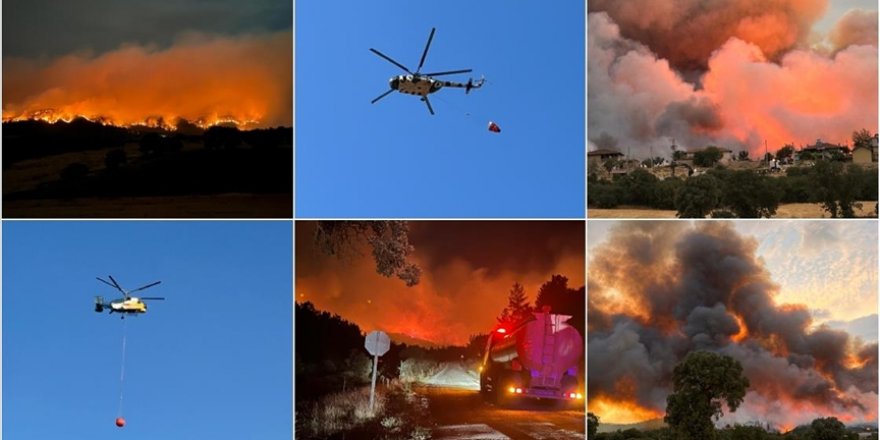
(464, 283)
(201, 78)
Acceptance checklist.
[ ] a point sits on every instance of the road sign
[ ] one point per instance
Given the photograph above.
(377, 343)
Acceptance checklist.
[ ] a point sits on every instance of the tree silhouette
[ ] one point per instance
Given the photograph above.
(388, 239)
(518, 309)
(701, 382)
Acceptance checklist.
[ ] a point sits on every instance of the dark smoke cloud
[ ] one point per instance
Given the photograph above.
(658, 291)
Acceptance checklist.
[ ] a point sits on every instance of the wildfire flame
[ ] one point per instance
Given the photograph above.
(168, 123)
(243, 81)
(614, 411)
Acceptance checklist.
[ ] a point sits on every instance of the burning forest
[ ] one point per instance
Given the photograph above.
(660, 290)
(203, 80)
(735, 74)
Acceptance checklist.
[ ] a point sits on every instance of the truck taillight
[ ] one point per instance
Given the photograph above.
(501, 330)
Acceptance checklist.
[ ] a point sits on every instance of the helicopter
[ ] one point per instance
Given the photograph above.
(127, 304)
(423, 84)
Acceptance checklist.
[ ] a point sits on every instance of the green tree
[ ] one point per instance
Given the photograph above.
(664, 192)
(388, 239)
(829, 428)
(697, 197)
(837, 188)
(748, 194)
(517, 309)
(785, 152)
(592, 425)
(708, 157)
(639, 187)
(701, 382)
(743, 155)
(678, 155)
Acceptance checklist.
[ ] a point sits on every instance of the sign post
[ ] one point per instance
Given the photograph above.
(377, 343)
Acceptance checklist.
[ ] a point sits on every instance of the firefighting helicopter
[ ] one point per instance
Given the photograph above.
(127, 304)
(422, 84)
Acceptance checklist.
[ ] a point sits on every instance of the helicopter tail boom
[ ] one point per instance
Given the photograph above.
(472, 85)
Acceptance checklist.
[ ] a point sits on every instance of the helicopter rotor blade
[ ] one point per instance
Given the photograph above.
(431, 110)
(450, 72)
(391, 60)
(105, 282)
(425, 53)
(381, 96)
(152, 298)
(115, 283)
(145, 287)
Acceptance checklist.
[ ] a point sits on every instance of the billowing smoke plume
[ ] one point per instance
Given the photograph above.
(660, 290)
(206, 80)
(728, 73)
(856, 27)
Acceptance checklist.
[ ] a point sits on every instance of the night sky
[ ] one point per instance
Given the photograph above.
(468, 269)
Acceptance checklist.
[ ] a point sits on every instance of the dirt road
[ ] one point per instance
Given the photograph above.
(461, 414)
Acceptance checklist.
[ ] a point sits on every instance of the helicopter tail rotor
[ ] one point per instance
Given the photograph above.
(99, 304)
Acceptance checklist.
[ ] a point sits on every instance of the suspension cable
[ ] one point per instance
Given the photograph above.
(122, 370)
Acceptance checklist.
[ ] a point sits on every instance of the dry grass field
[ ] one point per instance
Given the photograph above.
(789, 210)
(205, 206)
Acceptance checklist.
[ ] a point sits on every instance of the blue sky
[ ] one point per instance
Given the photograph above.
(212, 361)
(393, 159)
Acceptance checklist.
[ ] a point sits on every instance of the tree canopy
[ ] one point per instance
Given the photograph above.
(701, 382)
(388, 239)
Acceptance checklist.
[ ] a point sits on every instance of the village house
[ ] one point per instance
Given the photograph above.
(822, 150)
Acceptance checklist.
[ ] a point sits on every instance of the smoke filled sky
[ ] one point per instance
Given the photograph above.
(794, 302)
(131, 61)
(468, 269)
(733, 74)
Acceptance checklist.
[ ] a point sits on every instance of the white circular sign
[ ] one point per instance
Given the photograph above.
(377, 343)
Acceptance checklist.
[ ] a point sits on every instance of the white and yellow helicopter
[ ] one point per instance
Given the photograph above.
(423, 84)
(127, 304)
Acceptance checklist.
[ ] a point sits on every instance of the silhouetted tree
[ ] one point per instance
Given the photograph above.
(785, 152)
(388, 239)
(592, 425)
(701, 382)
(708, 157)
(517, 309)
(829, 428)
(862, 138)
